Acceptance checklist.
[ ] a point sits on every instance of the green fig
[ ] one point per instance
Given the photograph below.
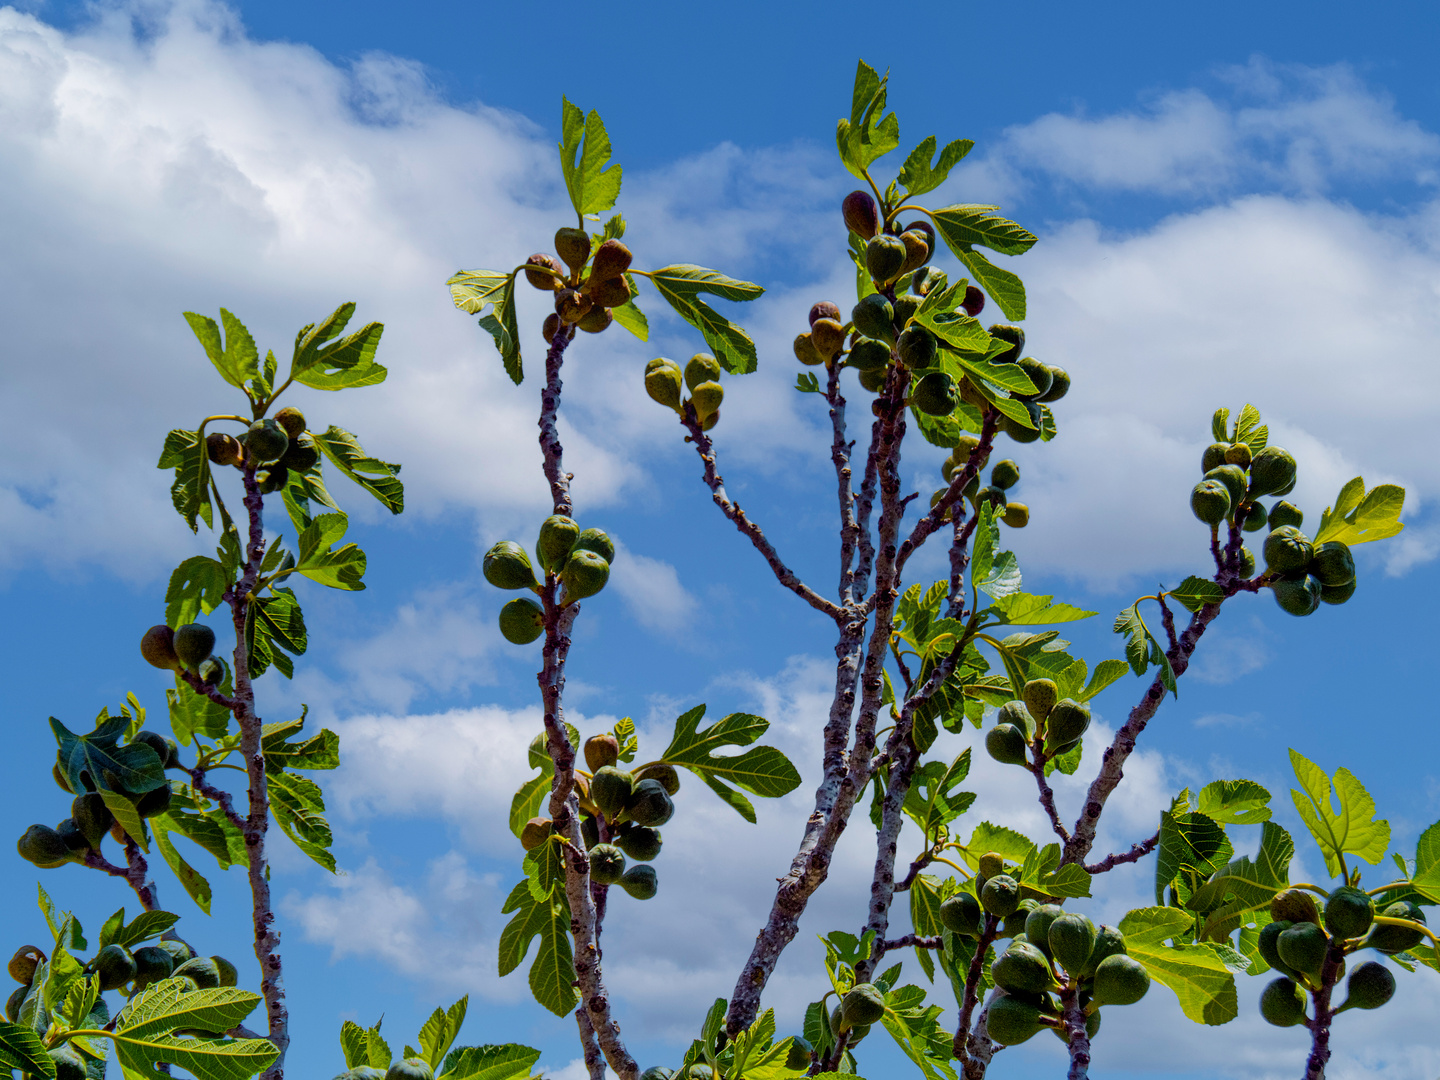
(934, 394)
(590, 832)
(1040, 697)
(178, 950)
(413, 1068)
(1059, 385)
(1298, 595)
(1016, 515)
(828, 337)
(292, 420)
(1015, 336)
(14, 1002)
(74, 839)
(1015, 712)
(640, 882)
(1010, 1021)
(702, 368)
(607, 864)
(1247, 563)
(1022, 968)
(905, 306)
(1333, 564)
(610, 789)
(585, 574)
(649, 804)
(1014, 924)
(1213, 456)
(868, 354)
(194, 642)
(927, 279)
(1068, 721)
(152, 965)
(656, 1072)
(1037, 373)
(558, 534)
(874, 381)
(884, 258)
(1271, 470)
(1370, 985)
(991, 864)
(641, 843)
(1233, 477)
(1001, 895)
(1397, 939)
(960, 913)
(573, 245)
(1287, 549)
(157, 646)
(707, 398)
(1282, 1003)
(302, 456)
(597, 541)
(44, 847)
(662, 382)
(668, 778)
(1109, 942)
(1006, 744)
(1072, 938)
(1210, 502)
(1238, 454)
(862, 1006)
(1302, 948)
(1284, 513)
(507, 566)
(1294, 906)
(1267, 945)
(1004, 475)
(1120, 980)
(1348, 913)
(1022, 433)
(917, 347)
(1037, 924)
(114, 965)
(92, 817)
(154, 802)
(1336, 594)
(266, 442)
(522, 620)
(1255, 518)
(873, 317)
(799, 1056)
(917, 250)
(595, 320)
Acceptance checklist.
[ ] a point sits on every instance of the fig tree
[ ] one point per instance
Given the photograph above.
(1006, 744)
(1302, 948)
(612, 258)
(649, 804)
(522, 620)
(1022, 968)
(659, 770)
(266, 442)
(1010, 1021)
(223, 449)
(861, 215)
(572, 245)
(43, 846)
(114, 965)
(610, 789)
(1120, 980)
(1072, 939)
(1370, 985)
(641, 843)
(537, 277)
(157, 646)
(1037, 373)
(1000, 895)
(917, 347)
(1015, 336)
(961, 914)
(1397, 939)
(1287, 549)
(824, 310)
(1282, 1003)
(1294, 906)
(863, 1005)
(662, 382)
(1348, 913)
(1297, 595)
(640, 882)
(1271, 470)
(69, 1065)
(194, 642)
(1333, 564)
(702, 368)
(607, 864)
(806, 352)
(934, 394)
(558, 534)
(414, 1068)
(1004, 475)
(1284, 513)
(868, 354)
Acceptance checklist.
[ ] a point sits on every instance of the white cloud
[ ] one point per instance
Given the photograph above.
(652, 590)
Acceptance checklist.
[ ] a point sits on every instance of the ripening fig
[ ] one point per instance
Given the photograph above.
(1348, 913)
(640, 881)
(1006, 744)
(960, 913)
(974, 301)
(1072, 938)
(934, 394)
(558, 534)
(662, 772)
(861, 215)
(1284, 513)
(412, 1068)
(522, 620)
(609, 293)
(649, 804)
(1000, 895)
(266, 442)
(1010, 1021)
(1018, 431)
(868, 354)
(1333, 563)
(612, 258)
(1294, 906)
(1302, 948)
(707, 398)
(1395, 939)
(1233, 477)
(926, 280)
(1059, 387)
(1022, 969)
(157, 646)
(663, 381)
(1282, 1003)
(641, 843)
(1037, 373)
(1004, 474)
(1271, 470)
(573, 245)
(535, 832)
(824, 310)
(596, 320)
(550, 327)
(23, 964)
(1238, 454)
(905, 306)
(572, 305)
(1287, 549)
(114, 965)
(607, 864)
(292, 420)
(507, 566)
(925, 229)
(874, 318)
(828, 337)
(194, 642)
(223, 449)
(806, 352)
(862, 1006)
(1016, 515)
(991, 864)
(1297, 594)
(302, 456)
(538, 278)
(917, 347)
(917, 250)
(1040, 696)
(1214, 456)
(1120, 980)
(601, 750)
(1255, 518)
(1015, 336)
(702, 368)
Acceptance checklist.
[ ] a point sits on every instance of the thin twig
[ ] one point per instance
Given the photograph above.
(549, 430)
(1047, 796)
(1135, 854)
(973, 983)
(840, 451)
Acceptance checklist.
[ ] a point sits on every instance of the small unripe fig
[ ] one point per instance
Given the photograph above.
(1284, 513)
(558, 534)
(223, 449)
(862, 1006)
(1395, 939)
(540, 279)
(806, 352)
(272, 479)
(1001, 895)
(874, 381)
(1247, 563)
(1238, 454)
(1210, 502)
(194, 642)
(601, 750)
(550, 327)
(1271, 470)
(1004, 475)
(1297, 594)
(154, 803)
(292, 420)
(861, 215)
(925, 229)
(649, 804)
(828, 337)
(1068, 721)
(1018, 431)
(797, 1059)
(585, 574)
(609, 293)
(824, 310)
(114, 965)
(1037, 924)
(874, 317)
(507, 566)
(1022, 969)
(707, 398)
(572, 305)
(157, 646)
(1302, 948)
(229, 974)
(905, 306)
(641, 843)
(1370, 985)
(522, 620)
(885, 257)
(1214, 456)
(917, 347)
(596, 540)
(1037, 373)
(868, 354)
(607, 864)
(991, 864)
(662, 383)
(1255, 518)
(1072, 938)
(662, 772)
(974, 301)
(1233, 477)
(1282, 1003)
(710, 421)
(152, 964)
(1333, 564)
(535, 832)
(412, 1068)
(1337, 594)
(1006, 744)
(1010, 1021)
(1120, 980)
(266, 442)
(1348, 913)
(43, 846)
(610, 789)
(640, 882)
(596, 319)
(934, 394)
(612, 258)
(302, 456)
(211, 671)
(1059, 387)
(1287, 549)
(1015, 336)
(702, 368)
(961, 914)
(573, 245)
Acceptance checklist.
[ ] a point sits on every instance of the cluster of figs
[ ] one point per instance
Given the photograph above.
(881, 331)
(1040, 721)
(1051, 952)
(582, 299)
(1004, 475)
(276, 446)
(666, 384)
(410, 1068)
(190, 647)
(116, 968)
(1302, 574)
(1302, 942)
(90, 819)
(579, 559)
(622, 812)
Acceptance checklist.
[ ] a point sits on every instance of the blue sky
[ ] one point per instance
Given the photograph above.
(1235, 204)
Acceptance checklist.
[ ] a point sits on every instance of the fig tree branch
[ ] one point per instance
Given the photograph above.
(210, 791)
(1036, 765)
(973, 983)
(554, 454)
(200, 686)
(909, 941)
(840, 451)
(136, 873)
(1324, 1015)
(1077, 1040)
(936, 517)
(1135, 854)
(590, 1046)
(787, 577)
